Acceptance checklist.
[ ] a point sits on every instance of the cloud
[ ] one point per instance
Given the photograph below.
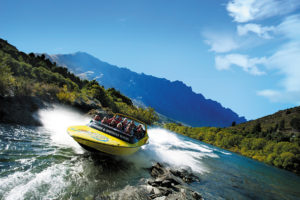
(99, 76)
(285, 52)
(220, 43)
(261, 31)
(281, 96)
(248, 10)
(249, 65)
(290, 27)
(85, 75)
(286, 61)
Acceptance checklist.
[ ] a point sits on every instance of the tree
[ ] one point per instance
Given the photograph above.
(256, 128)
(117, 95)
(6, 81)
(295, 123)
(281, 125)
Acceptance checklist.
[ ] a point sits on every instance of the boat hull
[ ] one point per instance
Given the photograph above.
(105, 143)
(109, 149)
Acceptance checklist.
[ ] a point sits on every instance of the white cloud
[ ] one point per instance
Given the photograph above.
(281, 96)
(261, 31)
(286, 61)
(249, 65)
(290, 27)
(248, 10)
(100, 76)
(220, 43)
(272, 94)
(85, 75)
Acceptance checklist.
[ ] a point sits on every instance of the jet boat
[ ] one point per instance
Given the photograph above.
(98, 136)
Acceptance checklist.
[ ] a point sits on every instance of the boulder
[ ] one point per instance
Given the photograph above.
(171, 183)
(186, 175)
(157, 170)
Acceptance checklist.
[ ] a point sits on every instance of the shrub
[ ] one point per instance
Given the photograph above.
(7, 81)
(295, 123)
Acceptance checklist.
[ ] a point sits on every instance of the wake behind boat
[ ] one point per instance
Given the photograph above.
(119, 135)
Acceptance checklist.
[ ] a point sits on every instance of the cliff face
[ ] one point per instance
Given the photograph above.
(172, 99)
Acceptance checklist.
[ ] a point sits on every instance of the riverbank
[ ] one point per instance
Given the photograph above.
(22, 110)
(282, 154)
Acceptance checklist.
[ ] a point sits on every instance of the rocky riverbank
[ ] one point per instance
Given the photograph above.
(20, 110)
(165, 184)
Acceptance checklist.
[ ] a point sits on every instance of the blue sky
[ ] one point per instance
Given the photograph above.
(244, 54)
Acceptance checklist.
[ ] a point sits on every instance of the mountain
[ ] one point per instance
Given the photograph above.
(172, 99)
(29, 82)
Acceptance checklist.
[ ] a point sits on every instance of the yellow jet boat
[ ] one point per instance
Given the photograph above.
(97, 136)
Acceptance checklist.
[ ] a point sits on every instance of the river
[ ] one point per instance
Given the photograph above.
(46, 163)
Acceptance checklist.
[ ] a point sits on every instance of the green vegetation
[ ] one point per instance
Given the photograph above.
(31, 75)
(274, 139)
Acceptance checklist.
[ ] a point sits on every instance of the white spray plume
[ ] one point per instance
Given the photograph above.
(58, 119)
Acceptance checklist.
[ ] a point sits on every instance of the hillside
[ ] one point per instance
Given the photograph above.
(283, 125)
(28, 80)
(172, 99)
(273, 139)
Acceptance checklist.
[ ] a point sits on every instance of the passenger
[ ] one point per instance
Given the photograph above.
(119, 126)
(140, 129)
(119, 119)
(113, 123)
(111, 119)
(97, 118)
(124, 122)
(104, 120)
(130, 127)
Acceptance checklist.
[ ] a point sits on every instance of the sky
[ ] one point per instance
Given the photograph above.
(244, 54)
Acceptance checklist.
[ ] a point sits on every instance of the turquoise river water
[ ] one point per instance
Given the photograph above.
(45, 163)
